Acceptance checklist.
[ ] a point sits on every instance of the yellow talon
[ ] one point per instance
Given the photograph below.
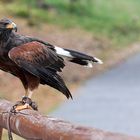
(22, 107)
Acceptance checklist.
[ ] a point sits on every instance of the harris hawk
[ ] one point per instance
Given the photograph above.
(35, 61)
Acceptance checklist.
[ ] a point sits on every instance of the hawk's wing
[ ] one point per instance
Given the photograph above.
(41, 61)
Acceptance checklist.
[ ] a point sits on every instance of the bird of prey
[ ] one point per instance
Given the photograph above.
(35, 61)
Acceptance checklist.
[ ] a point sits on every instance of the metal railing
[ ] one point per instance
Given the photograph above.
(31, 125)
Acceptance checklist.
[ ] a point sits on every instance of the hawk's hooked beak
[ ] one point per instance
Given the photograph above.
(12, 26)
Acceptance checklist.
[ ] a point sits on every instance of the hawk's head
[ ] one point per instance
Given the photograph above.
(6, 28)
(7, 25)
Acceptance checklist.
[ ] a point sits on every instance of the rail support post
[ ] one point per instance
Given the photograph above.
(1, 129)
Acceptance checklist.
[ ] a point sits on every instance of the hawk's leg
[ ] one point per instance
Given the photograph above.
(29, 103)
(26, 103)
(27, 100)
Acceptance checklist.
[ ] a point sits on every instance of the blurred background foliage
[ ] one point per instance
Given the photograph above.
(118, 20)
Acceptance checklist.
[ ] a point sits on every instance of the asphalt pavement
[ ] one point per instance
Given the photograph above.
(110, 101)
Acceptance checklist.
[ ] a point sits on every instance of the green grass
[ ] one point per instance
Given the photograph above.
(117, 20)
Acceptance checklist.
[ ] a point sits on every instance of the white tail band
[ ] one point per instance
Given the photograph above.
(61, 51)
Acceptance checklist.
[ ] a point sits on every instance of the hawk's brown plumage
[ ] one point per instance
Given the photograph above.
(34, 61)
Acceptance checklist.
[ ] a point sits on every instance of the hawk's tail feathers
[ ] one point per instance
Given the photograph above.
(77, 57)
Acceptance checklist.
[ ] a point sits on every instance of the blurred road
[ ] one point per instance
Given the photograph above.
(110, 101)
